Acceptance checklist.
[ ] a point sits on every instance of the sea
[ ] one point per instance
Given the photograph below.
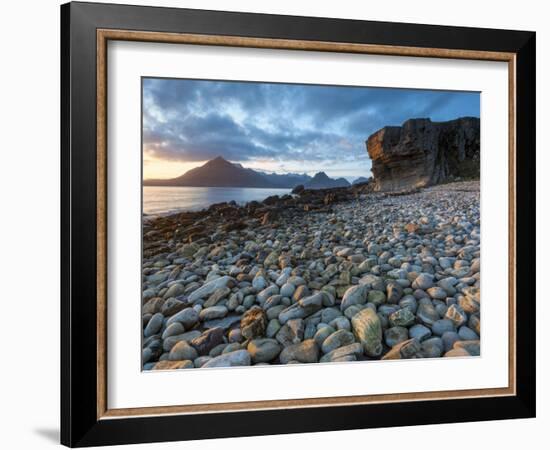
(161, 200)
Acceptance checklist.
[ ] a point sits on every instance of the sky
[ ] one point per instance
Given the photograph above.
(278, 127)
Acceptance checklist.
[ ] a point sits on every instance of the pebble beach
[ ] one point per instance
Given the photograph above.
(324, 276)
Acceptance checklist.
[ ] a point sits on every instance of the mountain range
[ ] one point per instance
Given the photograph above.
(322, 181)
(219, 172)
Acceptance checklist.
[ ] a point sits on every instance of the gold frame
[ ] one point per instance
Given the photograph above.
(103, 36)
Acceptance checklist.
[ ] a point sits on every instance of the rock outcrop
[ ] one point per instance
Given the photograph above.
(421, 153)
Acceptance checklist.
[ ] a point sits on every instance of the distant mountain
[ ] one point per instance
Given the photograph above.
(322, 181)
(361, 180)
(287, 180)
(219, 172)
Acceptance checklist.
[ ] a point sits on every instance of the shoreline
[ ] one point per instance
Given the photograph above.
(340, 274)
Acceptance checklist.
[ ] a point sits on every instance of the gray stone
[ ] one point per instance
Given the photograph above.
(287, 290)
(236, 358)
(266, 293)
(174, 290)
(448, 285)
(217, 296)
(432, 347)
(427, 313)
(441, 326)
(323, 333)
(273, 328)
(170, 341)
(449, 338)
(187, 317)
(225, 323)
(181, 351)
(231, 347)
(355, 295)
(337, 339)
(419, 332)
(423, 281)
(409, 302)
(329, 314)
(214, 312)
(467, 334)
(154, 325)
(395, 335)
(173, 330)
(263, 350)
(341, 323)
(201, 361)
(208, 288)
(437, 293)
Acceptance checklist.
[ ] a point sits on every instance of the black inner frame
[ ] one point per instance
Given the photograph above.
(79, 424)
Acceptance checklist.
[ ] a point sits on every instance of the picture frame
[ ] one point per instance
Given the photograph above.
(86, 418)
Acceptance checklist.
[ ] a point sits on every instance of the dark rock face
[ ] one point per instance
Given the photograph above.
(421, 153)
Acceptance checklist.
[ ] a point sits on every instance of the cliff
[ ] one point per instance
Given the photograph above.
(421, 153)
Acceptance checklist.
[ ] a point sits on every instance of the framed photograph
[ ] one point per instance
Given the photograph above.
(276, 224)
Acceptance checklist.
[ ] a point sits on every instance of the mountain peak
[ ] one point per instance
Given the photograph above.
(218, 161)
(320, 176)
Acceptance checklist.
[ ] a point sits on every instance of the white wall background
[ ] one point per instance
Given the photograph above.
(29, 224)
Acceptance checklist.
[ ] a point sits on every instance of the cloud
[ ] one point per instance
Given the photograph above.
(196, 120)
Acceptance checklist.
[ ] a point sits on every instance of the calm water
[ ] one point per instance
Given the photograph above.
(163, 199)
